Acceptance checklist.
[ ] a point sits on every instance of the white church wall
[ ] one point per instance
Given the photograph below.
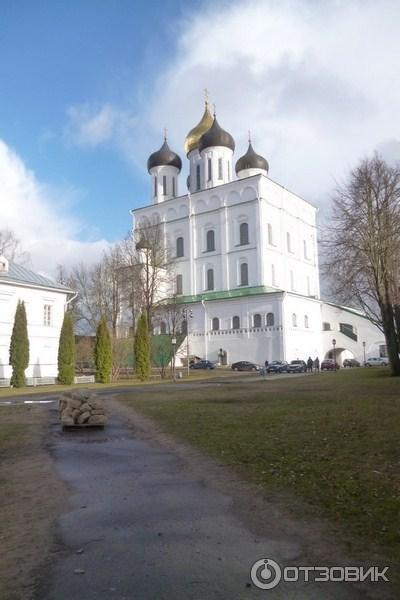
(302, 328)
(43, 339)
(246, 342)
(346, 347)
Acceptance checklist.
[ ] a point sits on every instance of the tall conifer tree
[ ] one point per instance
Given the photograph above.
(103, 352)
(142, 349)
(66, 351)
(19, 347)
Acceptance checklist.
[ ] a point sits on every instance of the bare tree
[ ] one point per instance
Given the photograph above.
(10, 246)
(363, 247)
(156, 272)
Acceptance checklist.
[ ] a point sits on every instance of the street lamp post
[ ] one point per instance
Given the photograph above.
(173, 342)
(365, 360)
(188, 313)
(334, 352)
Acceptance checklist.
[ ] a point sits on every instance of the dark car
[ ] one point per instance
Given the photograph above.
(277, 366)
(244, 365)
(203, 364)
(297, 366)
(351, 362)
(329, 365)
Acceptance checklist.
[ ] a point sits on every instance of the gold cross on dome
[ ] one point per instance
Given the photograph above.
(206, 94)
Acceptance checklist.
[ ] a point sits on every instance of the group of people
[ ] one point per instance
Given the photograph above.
(312, 365)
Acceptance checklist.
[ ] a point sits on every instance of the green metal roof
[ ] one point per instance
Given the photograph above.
(227, 294)
(19, 274)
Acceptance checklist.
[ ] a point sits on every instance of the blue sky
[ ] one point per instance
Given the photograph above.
(88, 86)
(59, 54)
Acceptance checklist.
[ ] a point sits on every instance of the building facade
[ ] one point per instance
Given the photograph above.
(45, 303)
(246, 257)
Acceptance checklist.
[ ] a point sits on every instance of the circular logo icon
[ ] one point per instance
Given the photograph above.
(265, 573)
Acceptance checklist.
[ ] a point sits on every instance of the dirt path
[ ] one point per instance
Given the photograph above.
(144, 522)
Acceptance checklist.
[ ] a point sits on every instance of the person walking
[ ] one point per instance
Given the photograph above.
(310, 364)
(316, 365)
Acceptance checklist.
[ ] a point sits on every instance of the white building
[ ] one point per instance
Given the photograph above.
(246, 257)
(45, 303)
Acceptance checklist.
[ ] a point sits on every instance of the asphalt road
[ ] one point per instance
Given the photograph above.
(139, 526)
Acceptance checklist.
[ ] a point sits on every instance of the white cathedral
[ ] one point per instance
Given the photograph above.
(246, 257)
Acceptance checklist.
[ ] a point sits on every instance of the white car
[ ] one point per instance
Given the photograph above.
(377, 362)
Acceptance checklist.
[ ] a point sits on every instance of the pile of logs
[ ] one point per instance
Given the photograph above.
(81, 408)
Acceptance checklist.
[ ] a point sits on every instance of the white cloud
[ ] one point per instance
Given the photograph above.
(36, 214)
(315, 82)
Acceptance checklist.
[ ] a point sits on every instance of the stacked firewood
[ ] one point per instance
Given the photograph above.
(81, 407)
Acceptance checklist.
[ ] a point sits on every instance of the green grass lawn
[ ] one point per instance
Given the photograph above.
(330, 440)
(55, 389)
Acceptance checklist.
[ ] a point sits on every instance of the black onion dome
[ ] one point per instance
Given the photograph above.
(216, 136)
(164, 157)
(251, 160)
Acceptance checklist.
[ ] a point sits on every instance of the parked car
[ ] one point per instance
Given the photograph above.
(277, 366)
(244, 365)
(329, 365)
(377, 361)
(297, 366)
(351, 362)
(202, 364)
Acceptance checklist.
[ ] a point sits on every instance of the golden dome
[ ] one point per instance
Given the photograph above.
(194, 135)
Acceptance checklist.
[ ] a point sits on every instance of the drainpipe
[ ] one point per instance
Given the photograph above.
(205, 330)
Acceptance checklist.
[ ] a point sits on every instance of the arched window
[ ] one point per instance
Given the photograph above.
(209, 164)
(210, 279)
(305, 320)
(270, 319)
(179, 247)
(163, 327)
(184, 327)
(174, 187)
(155, 185)
(236, 323)
(210, 241)
(197, 177)
(179, 284)
(294, 320)
(220, 176)
(244, 234)
(164, 185)
(215, 324)
(257, 320)
(244, 274)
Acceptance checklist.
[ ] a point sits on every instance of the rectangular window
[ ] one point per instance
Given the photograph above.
(173, 187)
(155, 186)
(220, 168)
(47, 315)
(209, 169)
(197, 177)
(164, 185)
